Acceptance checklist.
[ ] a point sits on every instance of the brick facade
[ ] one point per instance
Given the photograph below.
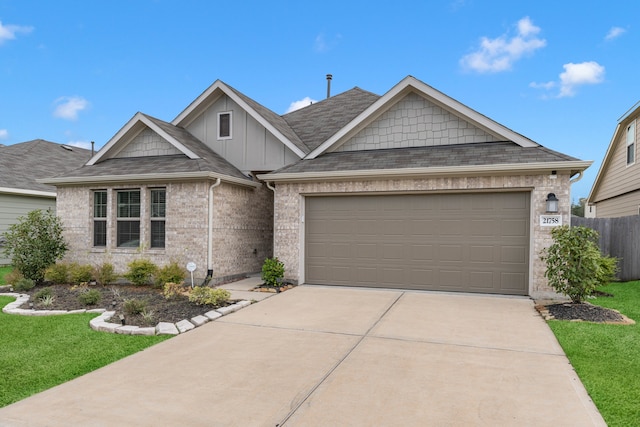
(242, 223)
(289, 206)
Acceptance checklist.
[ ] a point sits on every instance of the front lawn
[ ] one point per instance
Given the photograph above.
(37, 353)
(3, 272)
(607, 357)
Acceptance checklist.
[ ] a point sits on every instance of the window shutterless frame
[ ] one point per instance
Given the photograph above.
(100, 218)
(631, 143)
(225, 125)
(128, 218)
(158, 213)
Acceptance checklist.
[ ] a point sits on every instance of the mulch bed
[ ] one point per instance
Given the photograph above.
(585, 312)
(163, 310)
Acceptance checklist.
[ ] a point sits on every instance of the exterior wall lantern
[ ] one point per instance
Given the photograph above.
(552, 203)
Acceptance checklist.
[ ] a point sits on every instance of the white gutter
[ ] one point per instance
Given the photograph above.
(273, 243)
(520, 168)
(210, 230)
(21, 192)
(577, 178)
(84, 180)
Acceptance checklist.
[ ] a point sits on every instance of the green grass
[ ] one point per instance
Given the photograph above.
(37, 353)
(607, 357)
(3, 272)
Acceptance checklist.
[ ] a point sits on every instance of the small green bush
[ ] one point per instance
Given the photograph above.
(47, 300)
(202, 295)
(13, 276)
(23, 284)
(272, 271)
(80, 273)
(57, 273)
(105, 274)
(172, 290)
(90, 297)
(170, 273)
(42, 293)
(141, 272)
(575, 266)
(134, 306)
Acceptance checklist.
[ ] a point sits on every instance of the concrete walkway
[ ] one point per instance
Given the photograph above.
(321, 356)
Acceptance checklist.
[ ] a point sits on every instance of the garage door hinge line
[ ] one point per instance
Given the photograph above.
(325, 376)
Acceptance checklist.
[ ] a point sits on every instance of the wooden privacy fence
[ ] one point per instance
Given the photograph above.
(620, 238)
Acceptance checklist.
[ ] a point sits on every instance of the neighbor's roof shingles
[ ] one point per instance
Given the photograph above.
(23, 163)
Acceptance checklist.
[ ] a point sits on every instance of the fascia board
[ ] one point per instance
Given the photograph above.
(137, 178)
(253, 113)
(605, 164)
(24, 192)
(474, 170)
(407, 85)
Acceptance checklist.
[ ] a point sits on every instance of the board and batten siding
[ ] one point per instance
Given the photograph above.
(251, 146)
(13, 206)
(620, 179)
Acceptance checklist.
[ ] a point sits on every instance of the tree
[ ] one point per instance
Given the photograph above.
(34, 243)
(575, 266)
(578, 209)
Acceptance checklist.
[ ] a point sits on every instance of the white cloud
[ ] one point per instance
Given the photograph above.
(614, 33)
(4, 134)
(8, 32)
(499, 54)
(68, 107)
(80, 144)
(585, 73)
(574, 75)
(321, 44)
(296, 105)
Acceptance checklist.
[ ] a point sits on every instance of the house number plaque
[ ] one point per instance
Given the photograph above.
(550, 220)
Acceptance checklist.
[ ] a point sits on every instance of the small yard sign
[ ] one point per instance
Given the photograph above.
(550, 220)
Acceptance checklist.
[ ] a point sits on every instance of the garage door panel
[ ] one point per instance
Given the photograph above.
(455, 242)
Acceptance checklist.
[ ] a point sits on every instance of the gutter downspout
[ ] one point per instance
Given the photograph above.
(576, 179)
(273, 242)
(210, 233)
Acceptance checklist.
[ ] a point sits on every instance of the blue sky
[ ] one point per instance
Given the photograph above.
(76, 71)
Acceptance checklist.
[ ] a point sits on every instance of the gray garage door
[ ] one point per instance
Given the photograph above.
(472, 242)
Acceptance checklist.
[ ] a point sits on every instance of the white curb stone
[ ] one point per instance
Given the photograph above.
(199, 320)
(126, 329)
(212, 315)
(225, 310)
(166, 328)
(184, 326)
(144, 331)
(244, 303)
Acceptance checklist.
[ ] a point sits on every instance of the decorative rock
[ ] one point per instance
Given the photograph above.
(144, 331)
(126, 329)
(212, 315)
(225, 310)
(108, 327)
(166, 328)
(199, 320)
(184, 326)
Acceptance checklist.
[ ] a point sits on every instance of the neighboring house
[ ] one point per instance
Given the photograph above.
(20, 166)
(616, 190)
(411, 189)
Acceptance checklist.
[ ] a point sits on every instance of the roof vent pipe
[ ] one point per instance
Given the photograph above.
(329, 77)
(92, 148)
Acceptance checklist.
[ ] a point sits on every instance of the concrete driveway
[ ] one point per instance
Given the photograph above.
(324, 356)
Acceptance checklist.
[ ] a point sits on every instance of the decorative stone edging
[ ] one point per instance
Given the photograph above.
(101, 323)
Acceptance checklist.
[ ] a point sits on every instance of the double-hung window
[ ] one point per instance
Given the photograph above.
(100, 218)
(158, 212)
(128, 230)
(631, 143)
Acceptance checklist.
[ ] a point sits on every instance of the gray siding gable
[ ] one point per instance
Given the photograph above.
(416, 122)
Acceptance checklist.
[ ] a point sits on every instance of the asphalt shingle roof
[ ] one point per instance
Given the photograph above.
(317, 122)
(23, 163)
(426, 157)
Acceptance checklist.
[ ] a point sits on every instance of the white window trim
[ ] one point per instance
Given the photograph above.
(230, 136)
(628, 143)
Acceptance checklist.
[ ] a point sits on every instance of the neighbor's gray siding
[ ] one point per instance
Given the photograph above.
(416, 122)
(251, 148)
(13, 206)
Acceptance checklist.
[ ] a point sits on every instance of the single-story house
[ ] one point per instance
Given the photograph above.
(616, 189)
(20, 166)
(411, 189)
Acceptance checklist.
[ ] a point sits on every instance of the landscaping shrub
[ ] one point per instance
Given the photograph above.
(170, 273)
(141, 272)
(575, 266)
(134, 306)
(13, 276)
(57, 273)
(34, 243)
(105, 274)
(23, 284)
(202, 295)
(172, 290)
(90, 297)
(272, 271)
(42, 293)
(80, 273)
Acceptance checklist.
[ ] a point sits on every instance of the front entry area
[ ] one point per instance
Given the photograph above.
(462, 242)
